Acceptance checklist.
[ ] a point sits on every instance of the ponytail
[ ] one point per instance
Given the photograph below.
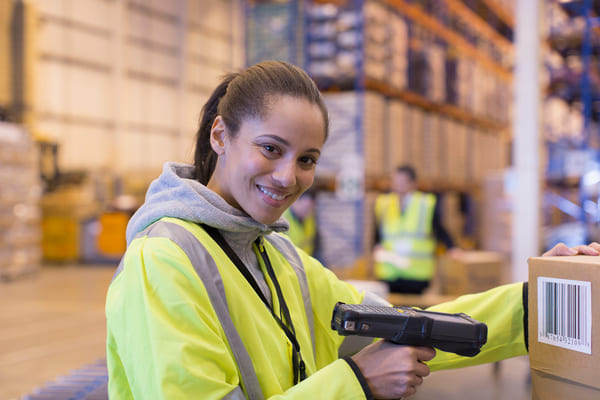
(205, 158)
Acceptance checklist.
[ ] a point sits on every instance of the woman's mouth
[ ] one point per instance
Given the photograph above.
(274, 196)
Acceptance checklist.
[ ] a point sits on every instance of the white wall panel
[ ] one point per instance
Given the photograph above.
(146, 27)
(89, 93)
(51, 81)
(59, 40)
(132, 151)
(160, 149)
(214, 14)
(151, 62)
(136, 101)
(89, 47)
(91, 12)
(114, 87)
(56, 8)
(206, 49)
(53, 38)
(84, 147)
(193, 105)
(136, 58)
(170, 7)
(162, 106)
(206, 75)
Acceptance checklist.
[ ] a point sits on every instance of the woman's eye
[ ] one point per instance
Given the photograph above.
(269, 148)
(308, 160)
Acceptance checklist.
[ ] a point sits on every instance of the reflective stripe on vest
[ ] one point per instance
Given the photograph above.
(207, 270)
(302, 233)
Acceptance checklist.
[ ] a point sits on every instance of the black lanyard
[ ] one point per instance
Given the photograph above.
(299, 366)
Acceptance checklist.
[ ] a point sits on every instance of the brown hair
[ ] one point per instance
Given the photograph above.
(250, 94)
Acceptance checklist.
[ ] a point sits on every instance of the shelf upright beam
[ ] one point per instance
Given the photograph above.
(526, 139)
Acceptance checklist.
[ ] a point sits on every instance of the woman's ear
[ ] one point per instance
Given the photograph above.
(218, 135)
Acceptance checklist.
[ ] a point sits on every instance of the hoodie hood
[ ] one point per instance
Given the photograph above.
(175, 193)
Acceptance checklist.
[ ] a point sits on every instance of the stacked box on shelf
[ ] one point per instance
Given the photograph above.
(495, 214)
(473, 173)
(398, 145)
(20, 231)
(458, 160)
(270, 26)
(377, 46)
(443, 149)
(430, 138)
(479, 84)
(344, 42)
(414, 134)
(398, 73)
(436, 55)
(375, 139)
(333, 41)
(464, 88)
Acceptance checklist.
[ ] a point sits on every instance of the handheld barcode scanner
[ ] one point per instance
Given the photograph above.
(455, 333)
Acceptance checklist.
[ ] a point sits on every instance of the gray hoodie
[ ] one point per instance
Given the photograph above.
(175, 193)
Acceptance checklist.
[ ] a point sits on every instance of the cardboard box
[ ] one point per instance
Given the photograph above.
(564, 339)
(473, 272)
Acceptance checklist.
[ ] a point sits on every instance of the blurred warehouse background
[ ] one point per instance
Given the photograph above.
(95, 95)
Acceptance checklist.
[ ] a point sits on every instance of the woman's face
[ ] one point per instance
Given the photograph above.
(271, 161)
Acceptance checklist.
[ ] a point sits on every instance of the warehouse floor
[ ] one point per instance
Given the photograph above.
(53, 323)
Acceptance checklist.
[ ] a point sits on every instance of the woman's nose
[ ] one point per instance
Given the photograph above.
(285, 174)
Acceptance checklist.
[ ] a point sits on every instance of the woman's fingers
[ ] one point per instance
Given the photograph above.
(592, 249)
(586, 250)
(560, 250)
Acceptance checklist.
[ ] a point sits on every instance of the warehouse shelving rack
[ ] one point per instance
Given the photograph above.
(572, 177)
(458, 26)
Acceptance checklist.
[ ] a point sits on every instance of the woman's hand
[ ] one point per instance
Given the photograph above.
(592, 249)
(391, 370)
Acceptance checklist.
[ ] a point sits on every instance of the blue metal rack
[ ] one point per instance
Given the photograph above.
(87, 383)
(306, 33)
(577, 88)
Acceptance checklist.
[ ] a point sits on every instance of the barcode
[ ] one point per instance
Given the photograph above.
(565, 313)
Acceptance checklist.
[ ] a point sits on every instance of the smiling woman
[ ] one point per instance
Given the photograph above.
(270, 162)
(212, 301)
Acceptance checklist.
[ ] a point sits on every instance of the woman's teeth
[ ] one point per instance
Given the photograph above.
(271, 195)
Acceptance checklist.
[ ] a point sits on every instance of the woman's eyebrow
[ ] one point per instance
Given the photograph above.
(286, 143)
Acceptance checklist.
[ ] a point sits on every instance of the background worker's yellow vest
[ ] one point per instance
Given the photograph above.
(302, 233)
(408, 235)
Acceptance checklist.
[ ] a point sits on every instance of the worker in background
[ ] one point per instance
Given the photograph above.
(212, 301)
(408, 228)
(303, 223)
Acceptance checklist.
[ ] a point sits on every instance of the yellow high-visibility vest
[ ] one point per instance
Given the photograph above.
(302, 233)
(407, 234)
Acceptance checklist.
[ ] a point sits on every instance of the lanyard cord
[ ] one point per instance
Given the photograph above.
(298, 363)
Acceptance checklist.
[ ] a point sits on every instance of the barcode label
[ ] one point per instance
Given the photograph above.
(565, 313)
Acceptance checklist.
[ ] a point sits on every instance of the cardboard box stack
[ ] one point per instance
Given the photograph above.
(564, 340)
(398, 145)
(20, 190)
(495, 217)
(474, 271)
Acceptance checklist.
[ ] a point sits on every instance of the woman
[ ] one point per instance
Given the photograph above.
(210, 301)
